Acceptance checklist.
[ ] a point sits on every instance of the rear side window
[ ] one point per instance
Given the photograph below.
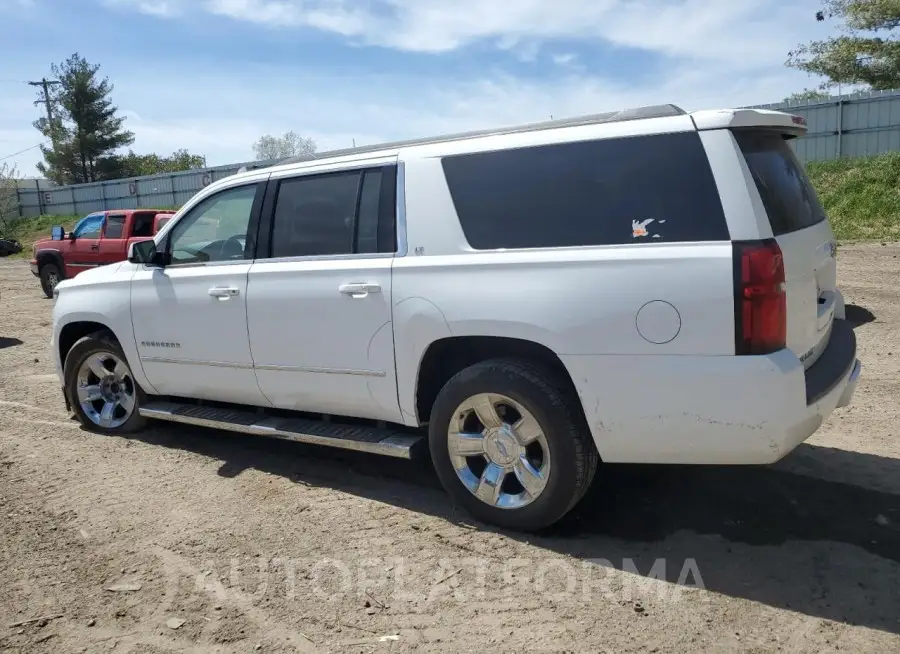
(642, 189)
(115, 226)
(142, 223)
(351, 212)
(314, 215)
(786, 192)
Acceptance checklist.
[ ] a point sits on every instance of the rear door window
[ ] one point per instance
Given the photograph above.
(787, 194)
(314, 215)
(142, 223)
(115, 226)
(338, 213)
(641, 189)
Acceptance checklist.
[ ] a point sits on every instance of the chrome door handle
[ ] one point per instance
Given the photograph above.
(223, 291)
(359, 290)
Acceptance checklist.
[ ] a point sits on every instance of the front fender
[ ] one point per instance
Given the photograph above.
(54, 255)
(106, 302)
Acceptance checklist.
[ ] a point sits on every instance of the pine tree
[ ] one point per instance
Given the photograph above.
(86, 130)
(868, 51)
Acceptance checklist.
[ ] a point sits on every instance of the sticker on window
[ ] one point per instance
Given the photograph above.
(639, 228)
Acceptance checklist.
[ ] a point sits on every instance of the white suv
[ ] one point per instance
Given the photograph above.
(648, 286)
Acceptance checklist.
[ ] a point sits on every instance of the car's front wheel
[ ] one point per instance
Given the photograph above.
(50, 277)
(100, 386)
(509, 444)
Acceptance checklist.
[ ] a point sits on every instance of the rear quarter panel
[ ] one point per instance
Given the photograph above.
(576, 301)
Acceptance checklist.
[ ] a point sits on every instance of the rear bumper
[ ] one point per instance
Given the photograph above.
(712, 409)
(847, 395)
(834, 364)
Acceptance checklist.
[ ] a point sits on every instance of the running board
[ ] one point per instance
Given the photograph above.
(372, 440)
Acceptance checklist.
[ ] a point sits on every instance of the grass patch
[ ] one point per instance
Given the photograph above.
(28, 230)
(861, 196)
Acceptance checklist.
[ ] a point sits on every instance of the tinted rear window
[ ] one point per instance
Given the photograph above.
(786, 192)
(642, 189)
(115, 226)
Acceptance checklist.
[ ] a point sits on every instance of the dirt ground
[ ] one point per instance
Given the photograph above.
(182, 539)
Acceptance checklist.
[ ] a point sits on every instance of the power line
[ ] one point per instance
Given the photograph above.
(15, 154)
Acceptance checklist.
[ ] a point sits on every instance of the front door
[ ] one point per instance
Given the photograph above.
(83, 250)
(190, 317)
(319, 307)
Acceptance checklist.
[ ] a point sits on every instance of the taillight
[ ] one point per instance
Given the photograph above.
(760, 304)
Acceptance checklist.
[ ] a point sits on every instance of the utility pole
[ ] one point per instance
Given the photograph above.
(45, 84)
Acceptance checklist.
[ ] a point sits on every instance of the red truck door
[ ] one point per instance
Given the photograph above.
(114, 239)
(84, 251)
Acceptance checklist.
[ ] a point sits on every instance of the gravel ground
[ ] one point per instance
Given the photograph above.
(189, 540)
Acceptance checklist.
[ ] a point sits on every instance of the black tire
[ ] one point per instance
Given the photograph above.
(49, 272)
(100, 342)
(539, 390)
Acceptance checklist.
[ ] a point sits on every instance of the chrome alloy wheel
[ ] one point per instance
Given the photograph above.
(499, 451)
(106, 390)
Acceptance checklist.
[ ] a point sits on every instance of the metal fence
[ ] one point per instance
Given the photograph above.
(164, 191)
(855, 125)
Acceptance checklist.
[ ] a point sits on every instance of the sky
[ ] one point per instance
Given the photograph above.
(213, 76)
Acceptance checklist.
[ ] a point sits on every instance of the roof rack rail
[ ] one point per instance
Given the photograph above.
(638, 113)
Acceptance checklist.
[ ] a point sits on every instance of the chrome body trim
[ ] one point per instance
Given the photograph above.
(245, 366)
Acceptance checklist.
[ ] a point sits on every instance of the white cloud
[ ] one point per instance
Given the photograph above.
(159, 8)
(742, 32)
(719, 54)
(221, 116)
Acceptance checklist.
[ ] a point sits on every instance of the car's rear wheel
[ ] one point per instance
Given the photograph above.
(509, 443)
(100, 386)
(50, 277)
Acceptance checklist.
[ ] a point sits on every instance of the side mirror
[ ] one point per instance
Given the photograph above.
(57, 233)
(145, 252)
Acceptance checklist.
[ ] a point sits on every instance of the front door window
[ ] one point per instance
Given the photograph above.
(215, 230)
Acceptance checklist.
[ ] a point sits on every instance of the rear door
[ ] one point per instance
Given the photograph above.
(801, 229)
(112, 241)
(319, 294)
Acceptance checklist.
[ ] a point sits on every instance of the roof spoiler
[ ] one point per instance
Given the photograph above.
(789, 124)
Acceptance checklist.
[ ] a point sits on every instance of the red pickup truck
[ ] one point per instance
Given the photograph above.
(97, 239)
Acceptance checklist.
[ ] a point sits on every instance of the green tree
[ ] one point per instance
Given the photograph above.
(136, 165)
(9, 199)
(289, 144)
(806, 94)
(86, 131)
(867, 52)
